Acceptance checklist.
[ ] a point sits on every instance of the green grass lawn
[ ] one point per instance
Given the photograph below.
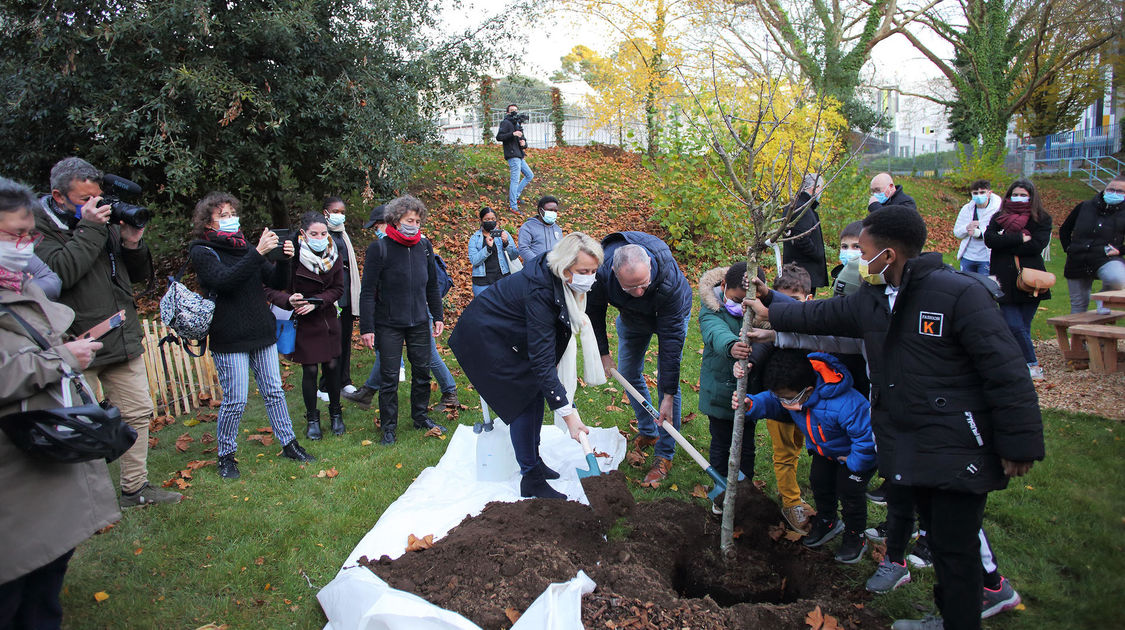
(253, 553)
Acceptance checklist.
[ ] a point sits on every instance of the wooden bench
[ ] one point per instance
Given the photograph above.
(1075, 351)
(1101, 339)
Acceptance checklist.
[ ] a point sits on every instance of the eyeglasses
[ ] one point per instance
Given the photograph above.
(635, 287)
(31, 238)
(799, 399)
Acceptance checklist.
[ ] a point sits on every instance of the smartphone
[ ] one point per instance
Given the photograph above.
(278, 253)
(315, 301)
(102, 329)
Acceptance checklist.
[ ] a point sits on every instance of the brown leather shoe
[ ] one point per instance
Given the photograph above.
(660, 469)
(637, 457)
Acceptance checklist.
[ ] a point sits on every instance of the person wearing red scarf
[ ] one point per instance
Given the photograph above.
(1020, 230)
(398, 296)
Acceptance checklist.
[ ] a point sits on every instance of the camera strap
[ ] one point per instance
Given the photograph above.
(79, 382)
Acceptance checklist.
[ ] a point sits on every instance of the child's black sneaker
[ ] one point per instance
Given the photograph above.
(823, 530)
(878, 496)
(851, 550)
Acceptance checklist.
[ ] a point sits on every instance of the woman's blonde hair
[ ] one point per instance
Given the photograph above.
(566, 251)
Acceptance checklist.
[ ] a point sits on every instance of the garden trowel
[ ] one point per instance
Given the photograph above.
(496, 460)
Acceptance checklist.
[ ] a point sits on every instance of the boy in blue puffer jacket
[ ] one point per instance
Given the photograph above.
(816, 390)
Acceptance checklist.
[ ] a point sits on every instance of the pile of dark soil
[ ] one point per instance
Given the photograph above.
(657, 565)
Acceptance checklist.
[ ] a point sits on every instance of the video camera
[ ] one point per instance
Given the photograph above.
(121, 211)
(519, 117)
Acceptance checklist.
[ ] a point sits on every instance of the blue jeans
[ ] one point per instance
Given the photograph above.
(437, 367)
(1018, 317)
(632, 342)
(975, 266)
(1112, 275)
(517, 167)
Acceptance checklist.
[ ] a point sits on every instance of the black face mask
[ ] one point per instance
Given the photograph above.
(488, 226)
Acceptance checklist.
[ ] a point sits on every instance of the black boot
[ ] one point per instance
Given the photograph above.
(228, 468)
(534, 484)
(547, 472)
(425, 423)
(388, 437)
(294, 451)
(336, 415)
(361, 396)
(313, 430)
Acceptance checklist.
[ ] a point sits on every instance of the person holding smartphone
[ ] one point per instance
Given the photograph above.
(242, 335)
(491, 249)
(315, 283)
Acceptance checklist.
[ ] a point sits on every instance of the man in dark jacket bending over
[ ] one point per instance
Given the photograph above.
(953, 409)
(642, 279)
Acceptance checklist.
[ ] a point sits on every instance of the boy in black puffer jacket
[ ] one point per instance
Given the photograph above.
(953, 408)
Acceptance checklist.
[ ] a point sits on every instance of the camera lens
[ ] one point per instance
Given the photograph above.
(129, 214)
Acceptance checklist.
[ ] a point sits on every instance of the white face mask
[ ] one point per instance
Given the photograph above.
(335, 219)
(582, 282)
(408, 230)
(15, 258)
(873, 278)
(549, 216)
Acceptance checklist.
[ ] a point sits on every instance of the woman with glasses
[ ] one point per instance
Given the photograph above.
(243, 335)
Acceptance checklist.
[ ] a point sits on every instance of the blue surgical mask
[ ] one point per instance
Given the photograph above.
(381, 233)
(881, 197)
(734, 308)
(318, 245)
(980, 200)
(1112, 198)
(549, 216)
(1020, 198)
(228, 224)
(335, 219)
(848, 255)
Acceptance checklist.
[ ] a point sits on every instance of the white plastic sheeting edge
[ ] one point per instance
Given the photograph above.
(438, 500)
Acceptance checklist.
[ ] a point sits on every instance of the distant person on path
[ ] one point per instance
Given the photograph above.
(954, 413)
(539, 234)
(971, 223)
(1020, 230)
(511, 135)
(641, 278)
(807, 247)
(490, 249)
(885, 193)
(516, 344)
(1092, 236)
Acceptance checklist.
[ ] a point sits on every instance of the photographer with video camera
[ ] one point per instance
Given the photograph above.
(511, 134)
(491, 250)
(94, 242)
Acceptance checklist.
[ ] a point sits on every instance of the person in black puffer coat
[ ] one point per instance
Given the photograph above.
(807, 249)
(1093, 235)
(1019, 231)
(243, 333)
(398, 296)
(953, 409)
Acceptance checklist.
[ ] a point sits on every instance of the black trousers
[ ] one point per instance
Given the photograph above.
(722, 428)
(31, 601)
(834, 485)
(417, 341)
(953, 533)
(347, 321)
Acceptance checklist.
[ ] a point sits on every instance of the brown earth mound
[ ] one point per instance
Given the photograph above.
(657, 565)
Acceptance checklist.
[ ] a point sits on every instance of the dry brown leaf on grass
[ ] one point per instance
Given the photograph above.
(264, 438)
(196, 464)
(793, 536)
(878, 551)
(206, 417)
(820, 621)
(688, 418)
(434, 432)
(759, 484)
(613, 408)
(265, 430)
(152, 441)
(413, 543)
(775, 532)
(699, 492)
(206, 438)
(512, 614)
(183, 441)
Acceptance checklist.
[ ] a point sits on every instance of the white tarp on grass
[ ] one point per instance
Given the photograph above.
(438, 500)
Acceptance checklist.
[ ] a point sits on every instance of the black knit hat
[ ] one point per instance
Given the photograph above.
(377, 216)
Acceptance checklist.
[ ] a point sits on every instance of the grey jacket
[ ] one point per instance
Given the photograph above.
(42, 275)
(46, 509)
(536, 237)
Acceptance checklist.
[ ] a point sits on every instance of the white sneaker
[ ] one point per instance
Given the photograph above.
(401, 374)
(1036, 372)
(322, 395)
(349, 389)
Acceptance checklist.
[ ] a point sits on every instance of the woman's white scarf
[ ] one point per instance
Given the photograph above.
(353, 270)
(315, 262)
(592, 371)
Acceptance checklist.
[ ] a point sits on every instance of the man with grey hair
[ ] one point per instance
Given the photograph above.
(643, 281)
(806, 249)
(885, 193)
(97, 262)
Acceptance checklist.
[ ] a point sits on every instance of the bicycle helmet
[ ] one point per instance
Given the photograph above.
(70, 435)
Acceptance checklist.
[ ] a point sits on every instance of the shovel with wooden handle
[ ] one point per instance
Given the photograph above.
(592, 470)
(720, 481)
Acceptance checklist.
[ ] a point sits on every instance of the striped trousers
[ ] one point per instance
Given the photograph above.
(234, 377)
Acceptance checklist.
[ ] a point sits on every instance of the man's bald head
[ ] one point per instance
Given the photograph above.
(881, 182)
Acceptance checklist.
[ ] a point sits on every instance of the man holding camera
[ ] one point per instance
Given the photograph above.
(97, 255)
(511, 134)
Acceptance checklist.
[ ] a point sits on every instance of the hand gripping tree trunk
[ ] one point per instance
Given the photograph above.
(764, 162)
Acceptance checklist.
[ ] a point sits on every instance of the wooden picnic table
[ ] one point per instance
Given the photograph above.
(1111, 298)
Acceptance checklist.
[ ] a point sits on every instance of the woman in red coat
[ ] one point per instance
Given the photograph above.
(317, 282)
